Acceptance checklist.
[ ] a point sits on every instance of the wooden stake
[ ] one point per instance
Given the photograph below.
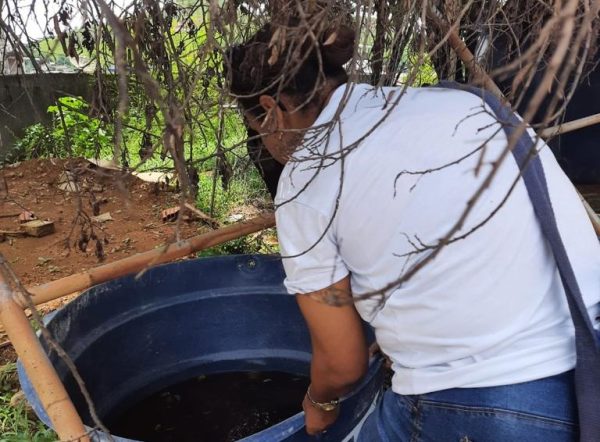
(136, 263)
(203, 216)
(41, 373)
(480, 76)
(570, 126)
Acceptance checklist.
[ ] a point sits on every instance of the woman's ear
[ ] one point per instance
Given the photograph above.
(274, 115)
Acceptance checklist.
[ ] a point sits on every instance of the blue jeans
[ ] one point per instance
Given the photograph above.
(539, 411)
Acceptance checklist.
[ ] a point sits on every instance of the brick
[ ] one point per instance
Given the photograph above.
(38, 228)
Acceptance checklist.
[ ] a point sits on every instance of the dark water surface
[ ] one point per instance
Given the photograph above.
(216, 408)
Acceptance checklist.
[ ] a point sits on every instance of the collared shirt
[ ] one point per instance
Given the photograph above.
(379, 181)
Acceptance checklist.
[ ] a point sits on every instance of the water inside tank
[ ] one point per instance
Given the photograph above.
(216, 408)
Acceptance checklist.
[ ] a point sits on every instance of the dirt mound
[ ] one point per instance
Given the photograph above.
(70, 193)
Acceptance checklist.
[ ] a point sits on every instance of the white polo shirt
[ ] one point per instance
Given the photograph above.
(490, 308)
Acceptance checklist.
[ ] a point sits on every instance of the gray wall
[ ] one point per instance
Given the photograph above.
(25, 98)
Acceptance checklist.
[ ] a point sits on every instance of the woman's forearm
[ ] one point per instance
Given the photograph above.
(330, 380)
(340, 354)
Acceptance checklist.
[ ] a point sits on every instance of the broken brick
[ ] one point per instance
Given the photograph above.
(26, 216)
(170, 214)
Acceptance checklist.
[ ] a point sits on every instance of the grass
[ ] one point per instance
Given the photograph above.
(17, 422)
(246, 188)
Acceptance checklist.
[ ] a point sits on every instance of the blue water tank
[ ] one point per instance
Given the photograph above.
(130, 338)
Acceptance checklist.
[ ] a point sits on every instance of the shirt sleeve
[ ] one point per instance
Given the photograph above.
(309, 251)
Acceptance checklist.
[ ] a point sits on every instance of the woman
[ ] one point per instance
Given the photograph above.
(480, 336)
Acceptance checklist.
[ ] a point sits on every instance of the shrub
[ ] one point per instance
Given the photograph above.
(72, 132)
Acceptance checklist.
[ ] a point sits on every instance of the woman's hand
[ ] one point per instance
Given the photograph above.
(317, 420)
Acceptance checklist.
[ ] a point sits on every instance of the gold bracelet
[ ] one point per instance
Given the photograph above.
(324, 406)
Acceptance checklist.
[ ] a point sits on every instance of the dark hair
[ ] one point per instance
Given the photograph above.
(285, 59)
(268, 168)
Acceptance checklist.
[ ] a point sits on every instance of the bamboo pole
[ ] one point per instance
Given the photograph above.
(570, 126)
(139, 262)
(482, 77)
(593, 215)
(41, 373)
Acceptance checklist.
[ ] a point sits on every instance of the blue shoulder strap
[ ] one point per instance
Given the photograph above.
(587, 370)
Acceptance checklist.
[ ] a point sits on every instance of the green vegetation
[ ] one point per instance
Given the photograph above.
(426, 74)
(17, 422)
(74, 132)
(250, 244)
(71, 133)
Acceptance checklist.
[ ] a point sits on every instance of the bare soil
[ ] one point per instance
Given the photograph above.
(134, 205)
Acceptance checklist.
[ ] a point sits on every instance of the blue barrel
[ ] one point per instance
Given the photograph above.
(131, 338)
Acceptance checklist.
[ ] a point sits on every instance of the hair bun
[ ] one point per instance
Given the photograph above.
(338, 46)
